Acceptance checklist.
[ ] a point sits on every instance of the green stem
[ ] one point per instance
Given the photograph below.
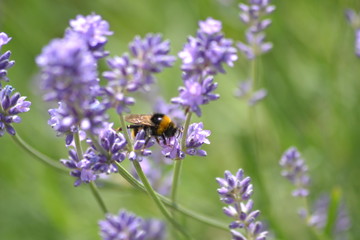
(36, 154)
(157, 201)
(203, 219)
(126, 133)
(79, 151)
(253, 75)
(178, 162)
(78, 147)
(265, 200)
(96, 193)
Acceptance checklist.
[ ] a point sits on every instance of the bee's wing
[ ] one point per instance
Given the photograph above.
(140, 119)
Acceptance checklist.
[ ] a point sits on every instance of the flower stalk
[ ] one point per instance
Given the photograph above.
(94, 190)
(36, 154)
(179, 162)
(157, 201)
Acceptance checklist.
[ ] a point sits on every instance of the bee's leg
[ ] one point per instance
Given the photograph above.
(147, 140)
(148, 136)
(164, 139)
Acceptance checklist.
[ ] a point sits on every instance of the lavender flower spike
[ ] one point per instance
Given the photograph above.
(95, 161)
(93, 30)
(122, 226)
(68, 70)
(195, 138)
(10, 107)
(128, 226)
(253, 16)
(295, 170)
(236, 190)
(5, 63)
(208, 51)
(354, 20)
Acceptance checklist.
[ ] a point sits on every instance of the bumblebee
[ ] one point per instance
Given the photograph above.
(157, 125)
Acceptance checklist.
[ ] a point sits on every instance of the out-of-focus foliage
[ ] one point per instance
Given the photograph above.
(312, 77)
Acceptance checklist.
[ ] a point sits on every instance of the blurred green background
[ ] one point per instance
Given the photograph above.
(312, 77)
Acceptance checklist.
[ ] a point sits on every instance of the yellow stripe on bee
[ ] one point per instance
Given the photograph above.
(164, 124)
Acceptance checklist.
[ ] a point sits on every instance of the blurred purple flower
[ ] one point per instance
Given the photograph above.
(93, 30)
(253, 17)
(244, 91)
(205, 54)
(122, 226)
(10, 107)
(128, 226)
(236, 191)
(354, 20)
(257, 96)
(5, 63)
(319, 216)
(255, 45)
(296, 171)
(67, 118)
(155, 229)
(68, 70)
(149, 56)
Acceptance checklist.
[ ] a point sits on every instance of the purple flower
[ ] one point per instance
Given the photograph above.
(354, 20)
(97, 161)
(203, 57)
(244, 91)
(121, 73)
(141, 144)
(122, 226)
(257, 96)
(10, 107)
(67, 118)
(114, 145)
(93, 30)
(4, 39)
(196, 93)
(296, 171)
(80, 168)
(196, 137)
(205, 54)
(253, 17)
(5, 63)
(236, 191)
(155, 229)
(210, 26)
(68, 70)
(149, 56)
(128, 226)
(233, 188)
(319, 216)
(172, 149)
